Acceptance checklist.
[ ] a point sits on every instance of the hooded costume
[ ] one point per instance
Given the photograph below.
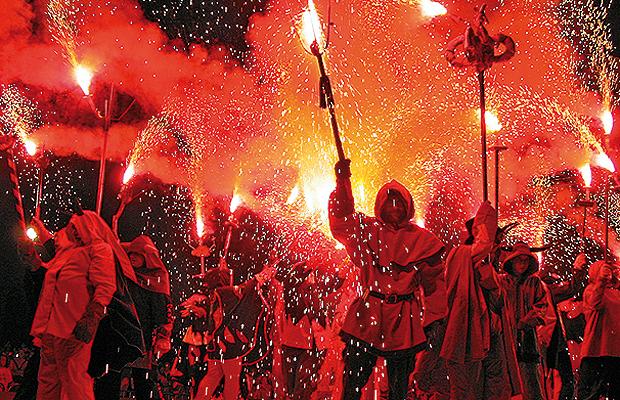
(527, 308)
(481, 362)
(81, 284)
(600, 365)
(385, 320)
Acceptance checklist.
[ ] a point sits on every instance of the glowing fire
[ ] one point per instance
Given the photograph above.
(316, 194)
(30, 146)
(432, 9)
(293, 196)
(32, 234)
(310, 28)
(492, 122)
(129, 173)
(420, 222)
(235, 202)
(200, 224)
(83, 76)
(586, 174)
(602, 160)
(608, 121)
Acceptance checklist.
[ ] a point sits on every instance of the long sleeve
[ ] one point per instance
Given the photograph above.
(593, 296)
(565, 290)
(538, 303)
(102, 273)
(484, 230)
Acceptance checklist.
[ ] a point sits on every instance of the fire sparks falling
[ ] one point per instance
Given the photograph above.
(493, 124)
(602, 160)
(129, 173)
(19, 116)
(235, 202)
(608, 121)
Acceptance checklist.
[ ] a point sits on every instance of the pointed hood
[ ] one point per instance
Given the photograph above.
(521, 249)
(382, 197)
(154, 276)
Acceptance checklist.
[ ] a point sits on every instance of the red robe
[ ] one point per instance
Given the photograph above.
(389, 261)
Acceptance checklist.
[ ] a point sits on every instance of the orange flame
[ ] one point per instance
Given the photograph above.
(492, 122)
(32, 234)
(310, 28)
(586, 174)
(83, 77)
(30, 146)
(293, 196)
(420, 222)
(235, 202)
(432, 9)
(200, 224)
(602, 160)
(129, 173)
(608, 121)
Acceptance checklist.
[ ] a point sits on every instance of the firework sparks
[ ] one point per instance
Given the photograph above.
(431, 9)
(19, 117)
(62, 20)
(602, 160)
(586, 174)
(83, 77)
(310, 30)
(608, 121)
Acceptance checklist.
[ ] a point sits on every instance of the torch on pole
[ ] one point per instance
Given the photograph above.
(483, 137)
(311, 35)
(107, 120)
(327, 98)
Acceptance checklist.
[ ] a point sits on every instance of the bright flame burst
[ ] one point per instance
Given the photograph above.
(492, 122)
(586, 174)
(309, 28)
(235, 202)
(32, 234)
(200, 224)
(431, 9)
(602, 160)
(129, 173)
(83, 77)
(608, 121)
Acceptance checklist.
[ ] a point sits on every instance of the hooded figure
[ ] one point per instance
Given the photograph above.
(600, 366)
(480, 362)
(80, 284)
(526, 306)
(391, 252)
(151, 296)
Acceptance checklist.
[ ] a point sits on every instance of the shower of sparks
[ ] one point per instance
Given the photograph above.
(63, 25)
(19, 116)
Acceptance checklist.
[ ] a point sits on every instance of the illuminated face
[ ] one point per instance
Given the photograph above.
(137, 260)
(520, 264)
(394, 210)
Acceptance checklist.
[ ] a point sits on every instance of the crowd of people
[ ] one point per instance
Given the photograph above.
(477, 321)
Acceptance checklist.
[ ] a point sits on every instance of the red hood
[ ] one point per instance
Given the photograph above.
(382, 197)
(154, 276)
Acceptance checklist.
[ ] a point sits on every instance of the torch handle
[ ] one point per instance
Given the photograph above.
(607, 190)
(14, 178)
(327, 99)
(483, 137)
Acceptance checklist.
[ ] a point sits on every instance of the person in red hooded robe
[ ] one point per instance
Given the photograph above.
(390, 252)
(600, 366)
(480, 365)
(527, 306)
(79, 284)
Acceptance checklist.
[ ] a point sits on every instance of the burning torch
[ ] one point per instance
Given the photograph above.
(603, 161)
(83, 77)
(202, 250)
(311, 35)
(235, 202)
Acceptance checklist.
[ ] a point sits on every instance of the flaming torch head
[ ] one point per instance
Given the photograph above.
(235, 203)
(31, 147)
(200, 224)
(586, 174)
(310, 30)
(608, 121)
(32, 234)
(129, 173)
(83, 77)
(491, 120)
(603, 161)
(432, 9)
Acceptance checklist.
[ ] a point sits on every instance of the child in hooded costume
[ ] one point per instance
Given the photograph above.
(480, 361)
(526, 305)
(390, 253)
(229, 324)
(151, 296)
(80, 283)
(600, 366)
